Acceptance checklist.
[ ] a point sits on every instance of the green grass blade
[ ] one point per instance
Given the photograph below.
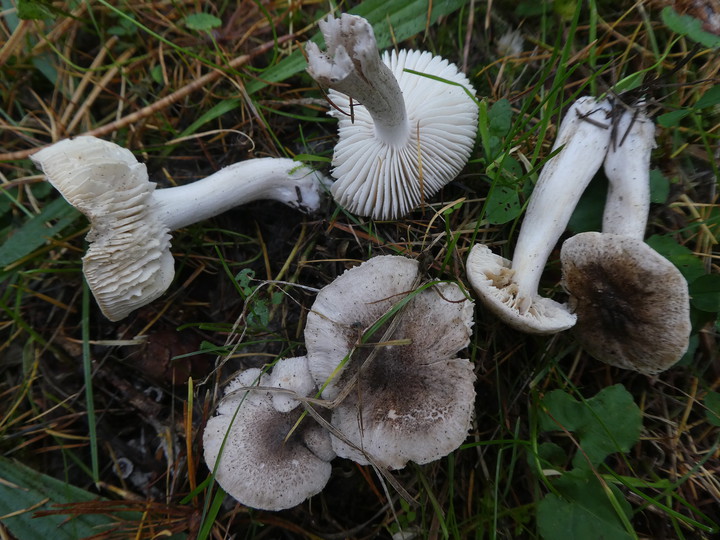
(87, 373)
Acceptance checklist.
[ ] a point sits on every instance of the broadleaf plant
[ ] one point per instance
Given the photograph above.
(583, 504)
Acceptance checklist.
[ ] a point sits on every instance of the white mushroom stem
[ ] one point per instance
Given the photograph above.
(279, 179)
(627, 167)
(352, 65)
(583, 138)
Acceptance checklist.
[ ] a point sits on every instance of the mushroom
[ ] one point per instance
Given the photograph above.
(407, 122)
(627, 168)
(247, 446)
(401, 393)
(293, 374)
(128, 263)
(510, 289)
(632, 304)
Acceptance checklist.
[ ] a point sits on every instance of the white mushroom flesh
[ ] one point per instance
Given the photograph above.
(291, 374)
(493, 281)
(627, 167)
(510, 289)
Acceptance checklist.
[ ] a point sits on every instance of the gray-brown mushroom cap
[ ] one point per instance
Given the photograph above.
(258, 466)
(632, 304)
(415, 399)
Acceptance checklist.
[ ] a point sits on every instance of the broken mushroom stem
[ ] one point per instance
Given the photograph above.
(412, 121)
(352, 65)
(582, 142)
(627, 168)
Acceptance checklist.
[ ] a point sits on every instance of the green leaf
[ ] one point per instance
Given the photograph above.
(36, 231)
(202, 22)
(705, 293)
(588, 213)
(23, 488)
(672, 118)
(688, 26)
(157, 74)
(243, 279)
(551, 455)
(712, 402)
(607, 423)
(630, 82)
(583, 509)
(392, 21)
(659, 187)
(709, 98)
(689, 265)
(34, 10)
(503, 205)
(500, 116)
(223, 107)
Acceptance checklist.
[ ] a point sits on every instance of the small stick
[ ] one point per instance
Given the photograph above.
(165, 102)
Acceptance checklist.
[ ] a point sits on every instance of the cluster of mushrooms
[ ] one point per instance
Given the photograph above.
(407, 125)
(629, 306)
(381, 384)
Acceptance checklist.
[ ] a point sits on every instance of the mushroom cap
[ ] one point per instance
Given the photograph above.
(291, 374)
(415, 401)
(632, 304)
(386, 181)
(492, 278)
(128, 263)
(258, 466)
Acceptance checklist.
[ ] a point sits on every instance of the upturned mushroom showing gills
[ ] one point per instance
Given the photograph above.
(400, 394)
(510, 289)
(247, 446)
(402, 135)
(632, 304)
(128, 263)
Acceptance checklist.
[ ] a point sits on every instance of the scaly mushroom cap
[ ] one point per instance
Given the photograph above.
(389, 163)
(492, 278)
(632, 304)
(414, 400)
(128, 263)
(258, 466)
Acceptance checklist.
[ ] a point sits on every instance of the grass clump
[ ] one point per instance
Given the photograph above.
(110, 414)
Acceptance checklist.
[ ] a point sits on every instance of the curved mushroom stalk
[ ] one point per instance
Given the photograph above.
(128, 263)
(352, 66)
(248, 447)
(627, 167)
(402, 136)
(510, 289)
(404, 394)
(278, 179)
(632, 304)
